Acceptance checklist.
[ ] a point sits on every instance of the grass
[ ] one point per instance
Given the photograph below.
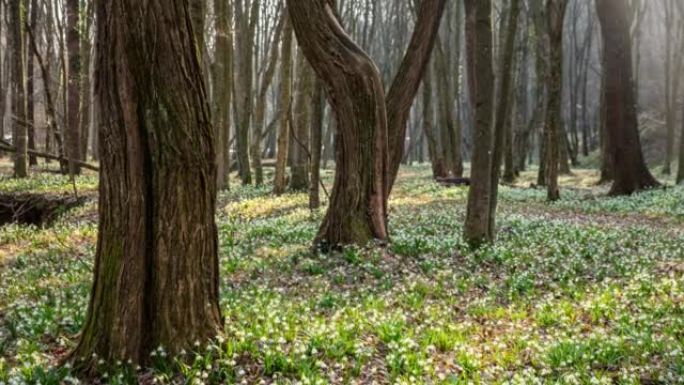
(589, 290)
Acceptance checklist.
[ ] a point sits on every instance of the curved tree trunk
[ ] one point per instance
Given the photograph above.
(357, 212)
(156, 266)
(406, 83)
(630, 171)
(481, 86)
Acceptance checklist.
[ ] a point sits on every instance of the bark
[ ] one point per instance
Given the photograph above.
(503, 110)
(73, 125)
(406, 82)
(285, 99)
(553, 131)
(223, 86)
(318, 106)
(630, 170)
(481, 85)
(299, 166)
(19, 129)
(357, 212)
(156, 265)
(86, 90)
(680, 168)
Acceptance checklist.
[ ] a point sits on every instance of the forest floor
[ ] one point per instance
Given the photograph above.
(588, 290)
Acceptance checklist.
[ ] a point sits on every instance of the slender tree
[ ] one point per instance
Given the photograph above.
(285, 99)
(73, 126)
(478, 228)
(156, 265)
(357, 212)
(299, 145)
(223, 89)
(553, 138)
(17, 10)
(622, 126)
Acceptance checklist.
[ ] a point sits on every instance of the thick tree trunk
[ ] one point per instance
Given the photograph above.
(481, 85)
(553, 131)
(630, 170)
(318, 106)
(406, 83)
(357, 212)
(299, 146)
(285, 101)
(503, 110)
(73, 126)
(17, 10)
(223, 90)
(156, 266)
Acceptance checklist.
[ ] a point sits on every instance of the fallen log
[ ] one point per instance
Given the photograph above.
(4, 146)
(453, 182)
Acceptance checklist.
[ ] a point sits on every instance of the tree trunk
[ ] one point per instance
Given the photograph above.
(299, 167)
(19, 129)
(553, 131)
(30, 89)
(405, 86)
(318, 106)
(630, 170)
(156, 266)
(357, 212)
(85, 85)
(439, 169)
(503, 110)
(481, 85)
(73, 126)
(680, 168)
(285, 100)
(223, 90)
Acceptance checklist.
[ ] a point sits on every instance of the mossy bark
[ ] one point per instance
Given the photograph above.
(17, 10)
(156, 265)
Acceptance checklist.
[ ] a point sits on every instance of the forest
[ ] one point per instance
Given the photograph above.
(368, 192)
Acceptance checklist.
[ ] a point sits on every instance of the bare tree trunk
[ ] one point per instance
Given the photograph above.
(73, 126)
(503, 110)
(156, 266)
(30, 89)
(680, 168)
(439, 169)
(285, 100)
(86, 91)
(318, 106)
(19, 129)
(260, 112)
(478, 228)
(223, 89)
(299, 166)
(631, 173)
(553, 130)
(405, 86)
(357, 212)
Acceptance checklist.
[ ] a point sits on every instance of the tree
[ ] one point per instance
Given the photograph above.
(553, 136)
(223, 86)
(630, 171)
(407, 81)
(481, 85)
(73, 126)
(357, 212)
(503, 109)
(285, 99)
(299, 146)
(156, 265)
(17, 10)
(318, 107)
